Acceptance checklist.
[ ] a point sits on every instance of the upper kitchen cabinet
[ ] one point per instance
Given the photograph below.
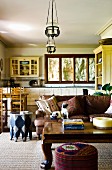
(24, 66)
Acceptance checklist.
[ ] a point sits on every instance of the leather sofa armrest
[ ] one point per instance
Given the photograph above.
(40, 113)
(39, 122)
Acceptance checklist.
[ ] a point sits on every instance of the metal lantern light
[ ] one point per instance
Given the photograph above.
(51, 48)
(52, 27)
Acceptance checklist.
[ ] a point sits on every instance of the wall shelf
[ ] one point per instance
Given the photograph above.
(103, 65)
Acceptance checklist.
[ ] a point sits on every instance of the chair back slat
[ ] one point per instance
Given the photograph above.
(17, 101)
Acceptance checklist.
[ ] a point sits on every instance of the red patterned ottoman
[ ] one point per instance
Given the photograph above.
(76, 156)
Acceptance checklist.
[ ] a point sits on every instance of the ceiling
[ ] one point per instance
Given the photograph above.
(79, 21)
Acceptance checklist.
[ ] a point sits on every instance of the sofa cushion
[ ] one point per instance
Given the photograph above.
(52, 102)
(64, 98)
(97, 104)
(48, 105)
(43, 105)
(109, 110)
(76, 105)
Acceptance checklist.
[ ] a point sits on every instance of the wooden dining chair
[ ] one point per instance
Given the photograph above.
(17, 99)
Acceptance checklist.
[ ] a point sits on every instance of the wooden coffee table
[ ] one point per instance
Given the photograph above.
(54, 132)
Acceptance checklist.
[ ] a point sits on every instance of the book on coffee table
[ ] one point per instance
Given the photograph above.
(73, 127)
(73, 124)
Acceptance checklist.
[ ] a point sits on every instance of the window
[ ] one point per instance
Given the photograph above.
(69, 68)
(53, 69)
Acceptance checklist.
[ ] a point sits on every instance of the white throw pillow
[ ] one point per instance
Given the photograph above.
(109, 110)
(43, 105)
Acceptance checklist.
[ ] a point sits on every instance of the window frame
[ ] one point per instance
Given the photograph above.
(74, 56)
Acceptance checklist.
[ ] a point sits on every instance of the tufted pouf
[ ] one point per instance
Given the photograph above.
(76, 156)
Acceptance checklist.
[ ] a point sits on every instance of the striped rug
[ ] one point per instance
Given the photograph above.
(28, 155)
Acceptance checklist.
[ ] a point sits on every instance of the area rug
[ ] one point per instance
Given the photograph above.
(28, 155)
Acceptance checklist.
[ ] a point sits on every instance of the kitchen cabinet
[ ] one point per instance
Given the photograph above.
(24, 66)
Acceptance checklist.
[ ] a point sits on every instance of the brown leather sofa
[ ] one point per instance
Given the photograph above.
(81, 106)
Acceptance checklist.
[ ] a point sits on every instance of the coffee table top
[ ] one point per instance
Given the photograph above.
(54, 132)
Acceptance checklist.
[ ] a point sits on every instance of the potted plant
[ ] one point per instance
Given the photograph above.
(107, 88)
(98, 94)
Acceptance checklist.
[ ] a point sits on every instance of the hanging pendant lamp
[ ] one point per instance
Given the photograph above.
(51, 48)
(52, 26)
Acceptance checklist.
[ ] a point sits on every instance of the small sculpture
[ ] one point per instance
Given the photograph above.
(55, 115)
(64, 110)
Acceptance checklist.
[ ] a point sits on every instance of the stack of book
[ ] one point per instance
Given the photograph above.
(73, 124)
